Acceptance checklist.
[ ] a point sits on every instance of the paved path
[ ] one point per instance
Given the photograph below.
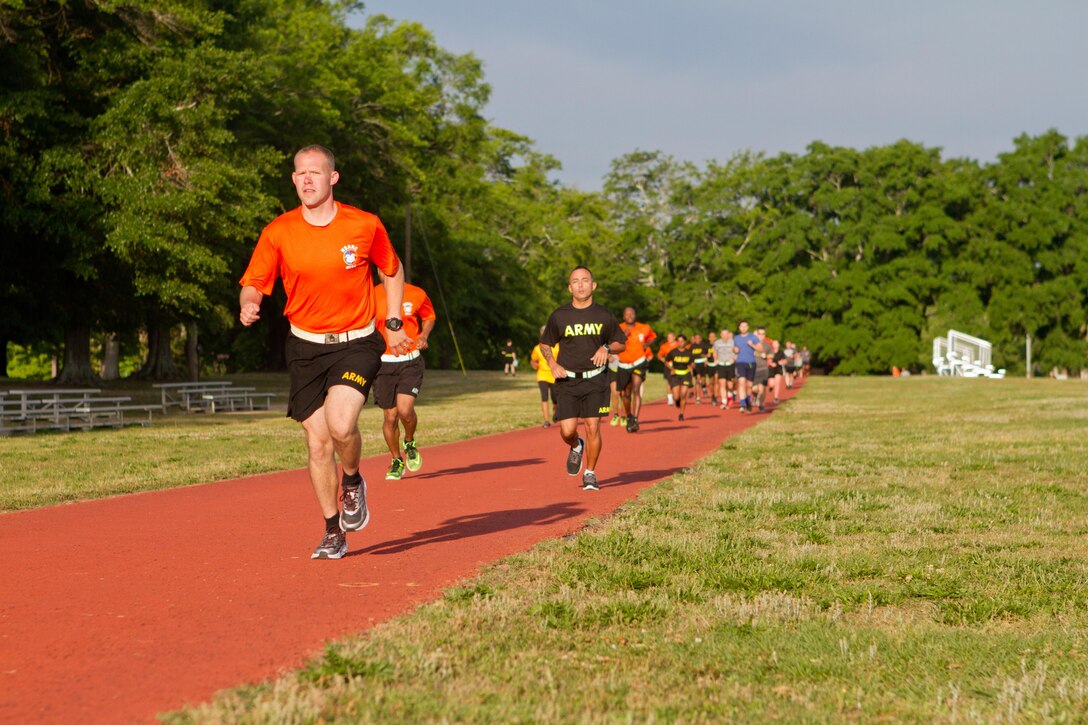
(118, 609)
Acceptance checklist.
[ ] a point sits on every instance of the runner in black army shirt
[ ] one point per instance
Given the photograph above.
(679, 364)
(700, 351)
(587, 333)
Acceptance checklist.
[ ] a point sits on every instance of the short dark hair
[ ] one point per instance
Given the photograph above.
(581, 266)
(321, 150)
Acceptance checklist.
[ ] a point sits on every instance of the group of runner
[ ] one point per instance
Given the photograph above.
(349, 336)
(591, 366)
(730, 368)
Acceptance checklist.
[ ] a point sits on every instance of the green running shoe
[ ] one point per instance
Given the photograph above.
(396, 470)
(413, 460)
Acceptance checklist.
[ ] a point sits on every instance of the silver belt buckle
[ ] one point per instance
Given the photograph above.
(331, 337)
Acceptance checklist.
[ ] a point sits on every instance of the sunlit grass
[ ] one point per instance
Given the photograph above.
(878, 550)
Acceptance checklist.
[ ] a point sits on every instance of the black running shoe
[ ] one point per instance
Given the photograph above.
(354, 515)
(761, 409)
(632, 424)
(333, 546)
(681, 417)
(589, 482)
(574, 458)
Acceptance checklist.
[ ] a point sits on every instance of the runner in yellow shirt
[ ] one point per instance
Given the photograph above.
(544, 379)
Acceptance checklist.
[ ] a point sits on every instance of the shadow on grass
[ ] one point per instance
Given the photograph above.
(463, 527)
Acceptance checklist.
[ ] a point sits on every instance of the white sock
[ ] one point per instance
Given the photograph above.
(671, 401)
(578, 447)
(589, 470)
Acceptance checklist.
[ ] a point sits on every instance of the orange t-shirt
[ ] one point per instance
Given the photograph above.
(325, 270)
(665, 349)
(417, 307)
(639, 336)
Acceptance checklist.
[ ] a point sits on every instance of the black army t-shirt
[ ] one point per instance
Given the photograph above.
(580, 333)
(680, 359)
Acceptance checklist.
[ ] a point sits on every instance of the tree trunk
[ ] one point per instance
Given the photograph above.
(192, 351)
(160, 360)
(77, 358)
(3, 357)
(111, 357)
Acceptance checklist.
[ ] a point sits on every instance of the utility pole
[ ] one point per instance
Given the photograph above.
(1029, 353)
(408, 241)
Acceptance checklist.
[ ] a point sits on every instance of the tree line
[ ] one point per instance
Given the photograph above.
(144, 144)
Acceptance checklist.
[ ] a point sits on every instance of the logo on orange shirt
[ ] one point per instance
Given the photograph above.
(350, 253)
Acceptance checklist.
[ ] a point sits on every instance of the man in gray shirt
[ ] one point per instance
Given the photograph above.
(726, 359)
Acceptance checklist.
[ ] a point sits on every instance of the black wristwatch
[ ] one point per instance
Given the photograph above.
(394, 324)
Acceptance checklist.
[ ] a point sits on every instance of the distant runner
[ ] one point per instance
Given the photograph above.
(544, 381)
(678, 362)
(509, 359)
(633, 365)
(744, 344)
(727, 368)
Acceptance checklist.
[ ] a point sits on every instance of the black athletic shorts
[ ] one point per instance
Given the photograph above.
(546, 389)
(685, 380)
(398, 378)
(314, 368)
(625, 375)
(699, 368)
(582, 398)
(746, 370)
(727, 371)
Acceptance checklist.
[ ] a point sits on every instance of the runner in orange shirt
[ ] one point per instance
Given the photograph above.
(401, 376)
(633, 365)
(666, 347)
(323, 250)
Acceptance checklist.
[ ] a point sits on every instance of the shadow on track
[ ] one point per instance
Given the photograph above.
(477, 525)
(629, 477)
(477, 468)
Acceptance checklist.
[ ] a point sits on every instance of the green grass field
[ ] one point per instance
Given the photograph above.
(879, 550)
(187, 448)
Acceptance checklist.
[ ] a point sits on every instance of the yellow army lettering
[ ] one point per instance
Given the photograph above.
(354, 377)
(605, 410)
(590, 328)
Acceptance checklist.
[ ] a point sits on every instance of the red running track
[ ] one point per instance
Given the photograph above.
(118, 609)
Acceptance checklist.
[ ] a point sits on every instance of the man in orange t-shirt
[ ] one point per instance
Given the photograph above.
(323, 250)
(633, 365)
(401, 377)
(666, 347)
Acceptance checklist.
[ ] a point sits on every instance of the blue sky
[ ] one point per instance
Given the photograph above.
(590, 81)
